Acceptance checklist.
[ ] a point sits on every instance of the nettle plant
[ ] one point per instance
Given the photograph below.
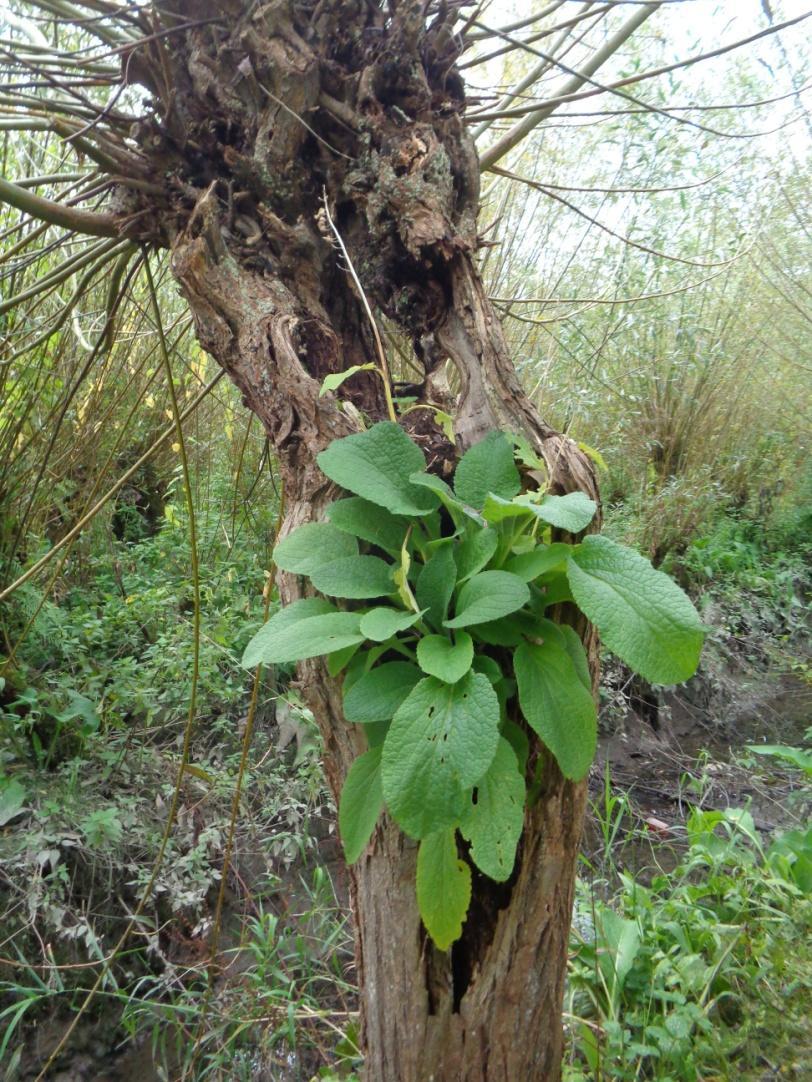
(439, 623)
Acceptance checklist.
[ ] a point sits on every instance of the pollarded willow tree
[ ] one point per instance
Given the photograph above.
(251, 140)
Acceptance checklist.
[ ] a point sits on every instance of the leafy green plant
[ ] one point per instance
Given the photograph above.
(799, 757)
(687, 972)
(451, 655)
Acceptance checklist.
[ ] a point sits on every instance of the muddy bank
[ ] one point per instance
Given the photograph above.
(690, 751)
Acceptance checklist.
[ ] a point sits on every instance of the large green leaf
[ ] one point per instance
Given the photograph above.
(355, 577)
(435, 584)
(368, 521)
(378, 694)
(510, 630)
(540, 561)
(621, 944)
(436, 485)
(797, 756)
(311, 546)
(493, 825)
(443, 887)
(487, 467)
(361, 803)
(575, 649)
(497, 509)
(438, 656)
(557, 705)
(642, 615)
(382, 623)
(519, 741)
(304, 629)
(572, 512)
(441, 741)
(376, 465)
(474, 551)
(490, 595)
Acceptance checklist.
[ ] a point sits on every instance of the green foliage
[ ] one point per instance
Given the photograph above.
(361, 803)
(307, 549)
(550, 689)
(643, 616)
(487, 468)
(466, 595)
(702, 971)
(376, 465)
(307, 628)
(441, 742)
(493, 825)
(443, 887)
(448, 661)
(796, 756)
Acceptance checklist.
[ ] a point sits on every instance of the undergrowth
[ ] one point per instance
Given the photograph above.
(697, 973)
(697, 968)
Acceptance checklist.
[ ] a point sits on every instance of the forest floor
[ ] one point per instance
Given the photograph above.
(692, 756)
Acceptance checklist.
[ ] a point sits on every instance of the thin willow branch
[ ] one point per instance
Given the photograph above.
(574, 95)
(525, 43)
(48, 179)
(74, 16)
(532, 77)
(522, 129)
(592, 301)
(737, 106)
(106, 249)
(484, 35)
(78, 221)
(55, 428)
(550, 59)
(111, 492)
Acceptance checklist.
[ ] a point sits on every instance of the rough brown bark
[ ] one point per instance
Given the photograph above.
(261, 112)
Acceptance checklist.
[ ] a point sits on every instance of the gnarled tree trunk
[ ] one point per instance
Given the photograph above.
(264, 110)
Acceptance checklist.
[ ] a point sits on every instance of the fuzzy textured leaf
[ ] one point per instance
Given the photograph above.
(442, 740)
(642, 615)
(311, 546)
(443, 887)
(488, 596)
(377, 695)
(487, 467)
(556, 705)
(361, 803)
(368, 521)
(575, 649)
(449, 662)
(382, 623)
(307, 628)
(572, 512)
(354, 577)
(540, 561)
(435, 584)
(376, 465)
(474, 552)
(497, 509)
(493, 825)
